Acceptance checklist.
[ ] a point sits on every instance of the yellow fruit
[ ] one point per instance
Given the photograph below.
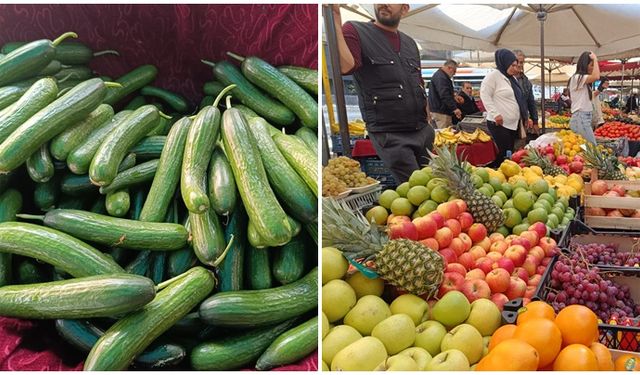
(537, 170)
(576, 185)
(509, 168)
(560, 179)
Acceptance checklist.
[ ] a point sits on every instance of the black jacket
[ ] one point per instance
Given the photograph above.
(527, 91)
(441, 93)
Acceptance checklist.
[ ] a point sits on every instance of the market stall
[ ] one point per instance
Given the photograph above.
(139, 155)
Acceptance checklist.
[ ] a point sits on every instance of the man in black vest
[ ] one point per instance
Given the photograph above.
(441, 96)
(385, 64)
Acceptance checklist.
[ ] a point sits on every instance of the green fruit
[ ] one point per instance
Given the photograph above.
(552, 192)
(497, 200)
(477, 181)
(418, 178)
(387, 197)
(418, 194)
(338, 298)
(504, 231)
(489, 187)
(403, 189)
(427, 207)
(564, 201)
(452, 198)
(537, 215)
(508, 204)
(551, 224)
(512, 217)
(396, 332)
(521, 184)
(482, 173)
(517, 191)
(362, 355)
(428, 171)
(553, 218)
(565, 221)
(540, 186)
(334, 264)
(452, 309)
(439, 194)
(502, 196)
(507, 189)
(525, 221)
(378, 214)
(435, 182)
(547, 197)
(571, 211)
(544, 203)
(415, 215)
(559, 212)
(402, 207)
(367, 313)
(520, 228)
(523, 202)
(485, 190)
(495, 183)
(338, 338)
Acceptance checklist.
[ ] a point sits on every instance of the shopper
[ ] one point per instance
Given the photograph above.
(441, 97)
(564, 101)
(632, 103)
(587, 72)
(597, 119)
(531, 125)
(465, 101)
(385, 64)
(504, 102)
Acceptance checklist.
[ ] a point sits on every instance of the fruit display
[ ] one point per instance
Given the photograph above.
(448, 136)
(557, 122)
(341, 174)
(632, 170)
(604, 189)
(607, 164)
(172, 240)
(617, 129)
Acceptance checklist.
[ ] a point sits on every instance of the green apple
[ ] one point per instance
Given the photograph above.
(412, 305)
(337, 339)
(324, 366)
(421, 356)
(397, 332)
(450, 360)
(485, 342)
(429, 335)
(398, 363)
(338, 298)
(362, 355)
(368, 311)
(484, 316)
(452, 309)
(334, 264)
(325, 325)
(466, 339)
(365, 286)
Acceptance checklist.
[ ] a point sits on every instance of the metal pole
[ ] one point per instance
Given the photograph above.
(338, 85)
(325, 145)
(542, 16)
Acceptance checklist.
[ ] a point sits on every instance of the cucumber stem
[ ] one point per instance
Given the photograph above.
(106, 52)
(164, 115)
(224, 253)
(113, 84)
(30, 217)
(166, 283)
(235, 56)
(65, 78)
(224, 91)
(228, 101)
(210, 63)
(64, 36)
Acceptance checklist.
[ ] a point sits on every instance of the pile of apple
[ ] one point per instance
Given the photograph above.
(362, 332)
(601, 187)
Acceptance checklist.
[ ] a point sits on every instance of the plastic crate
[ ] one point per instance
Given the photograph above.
(336, 143)
(374, 167)
(358, 202)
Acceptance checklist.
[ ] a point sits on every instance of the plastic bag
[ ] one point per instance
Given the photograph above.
(544, 140)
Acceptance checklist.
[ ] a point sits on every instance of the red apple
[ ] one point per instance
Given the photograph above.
(506, 264)
(529, 292)
(485, 243)
(457, 246)
(477, 252)
(549, 246)
(540, 228)
(533, 280)
(499, 299)
(522, 241)
(530, 265)
(545, 261)
(516, 253)
(540, 269)
(499, 247)
(619, 189)
(448, 210)
(475, 289)
(517, 288)
(496, 237)
(477, 232)
(404, 230)
(462, 205)
(475, 273)
(466, 220)
(466, 240)
(498, 280)
(392, 219)
(520, 273)
(532, 236)
(426, 227)
(485, 264)
(431, 243)
(444, 237)
(494, 256)
(439, 219)
(510, 238)
(454, 225)
(451, 281)
(456, 267)
(537, 252)
(467, 260)
(449, 255)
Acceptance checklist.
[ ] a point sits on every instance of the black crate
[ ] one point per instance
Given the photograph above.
(374, 167)
(336, 143)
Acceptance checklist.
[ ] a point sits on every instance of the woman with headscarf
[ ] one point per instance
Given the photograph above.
(504, 102)
(587, 72)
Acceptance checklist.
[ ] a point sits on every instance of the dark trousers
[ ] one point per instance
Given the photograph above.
(403, 152)
(504, 139)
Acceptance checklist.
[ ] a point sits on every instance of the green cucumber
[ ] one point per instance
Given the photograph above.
(101, 296)
(289, 261)
(78, 72)
(309, 137)
(281, 87)
(27, 60)
(223, 193)
(132, 81)
(49, 122)
(167, 175)
(9, 95)
(258, 268)
(180, 261)
(54, 247)
(54, 67)
(236, 351)
(133, 176)
(291, 346)
(46, 194)
(40, 165)
(136, 103)
(118, 202)
(303, 77)
(150, 147)
(292, 190)
(126, 339)
(213, 88)
(207, 236)
(256, 239)
(156, 271)
(253, 308)
(300, 158)
(10, 205)
(201, 140)
(70, 53)
(175, 101)
(80, 185)
(74, 136)
(251, 178)
(230, 271)
(31, 272)
(104, 166)
(140, 264)
(250, 95)
(80, 158)
(130, 234)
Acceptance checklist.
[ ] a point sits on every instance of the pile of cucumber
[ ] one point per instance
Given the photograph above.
(185, 240)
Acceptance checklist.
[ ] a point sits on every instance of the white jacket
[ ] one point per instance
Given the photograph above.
(498, 99)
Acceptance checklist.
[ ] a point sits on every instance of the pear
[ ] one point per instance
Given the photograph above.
(337, 339)
(362, 355)
(368, 311)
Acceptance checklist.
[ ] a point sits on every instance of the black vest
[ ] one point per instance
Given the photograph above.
(390, 93)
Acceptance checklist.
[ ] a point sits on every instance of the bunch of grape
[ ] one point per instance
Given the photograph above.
(574, 281)
(607, 254)
(348, 171)
(331, 185)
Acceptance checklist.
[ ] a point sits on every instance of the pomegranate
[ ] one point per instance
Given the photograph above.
(596, 211)
(615, 213)
(619, 189)
(599, 187)
(562, 159)
(576, 167)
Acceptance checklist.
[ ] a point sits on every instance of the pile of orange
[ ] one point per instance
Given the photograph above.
(540, 340)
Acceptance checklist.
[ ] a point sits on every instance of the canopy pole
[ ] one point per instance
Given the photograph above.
(542, 16)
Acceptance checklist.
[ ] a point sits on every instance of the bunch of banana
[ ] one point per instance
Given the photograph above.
(356, 128)
(448, 137)
(481, 135)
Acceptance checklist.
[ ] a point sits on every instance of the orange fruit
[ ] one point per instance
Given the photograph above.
(578, 324)
(627, 362)
(603, 355)
(503, 333)
(543, 335)
(576, 357)
(510, 355)
(535, 309)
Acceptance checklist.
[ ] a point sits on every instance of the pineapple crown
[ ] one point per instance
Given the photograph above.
(446, 164)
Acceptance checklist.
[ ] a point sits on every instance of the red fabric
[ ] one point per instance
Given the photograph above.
(363, 148)
(173, 37)
(479, 153)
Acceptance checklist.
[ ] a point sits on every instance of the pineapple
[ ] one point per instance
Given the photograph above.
(608, 166)
(534, 157)
(447, 165)
(404, 263)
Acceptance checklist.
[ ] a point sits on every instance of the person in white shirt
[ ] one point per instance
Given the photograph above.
(504, 102)
(587, 72)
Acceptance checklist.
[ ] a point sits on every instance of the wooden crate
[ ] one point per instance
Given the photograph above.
(624, 223)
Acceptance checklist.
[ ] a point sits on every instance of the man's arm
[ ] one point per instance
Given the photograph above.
(445, 92)
(347, 59)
